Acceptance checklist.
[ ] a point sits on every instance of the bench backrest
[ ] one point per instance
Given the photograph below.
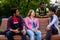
(43, 22)
(4, 23)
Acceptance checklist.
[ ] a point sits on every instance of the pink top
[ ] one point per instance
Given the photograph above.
(28, 22)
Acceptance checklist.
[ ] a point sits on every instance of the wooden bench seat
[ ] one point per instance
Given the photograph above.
(43, 22)
(56, 37)
(16, 37)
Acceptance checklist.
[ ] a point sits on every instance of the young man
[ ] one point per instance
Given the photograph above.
(42, 11)
(52, 27)
(15, 25)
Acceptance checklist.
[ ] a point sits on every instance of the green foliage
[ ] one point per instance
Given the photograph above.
(58, 13)
(23, 5)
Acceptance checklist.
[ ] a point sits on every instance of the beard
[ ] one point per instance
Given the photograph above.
(42, 8)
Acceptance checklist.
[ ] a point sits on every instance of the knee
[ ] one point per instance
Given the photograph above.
(39, 32)
(32, 35)
(8, 34)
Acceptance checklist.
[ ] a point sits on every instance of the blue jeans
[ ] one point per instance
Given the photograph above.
(32, 34)
(10, 35)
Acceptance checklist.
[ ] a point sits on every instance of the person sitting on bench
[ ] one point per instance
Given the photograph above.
(15, 25)
(52, 28)
(32, 24)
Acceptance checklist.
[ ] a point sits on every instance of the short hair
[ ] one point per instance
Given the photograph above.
(42, 3)
(13, 10)
(52, 9)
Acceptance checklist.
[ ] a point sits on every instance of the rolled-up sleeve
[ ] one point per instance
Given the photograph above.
(8, 24)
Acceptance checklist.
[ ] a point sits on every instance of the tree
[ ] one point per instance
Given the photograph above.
(23, 5)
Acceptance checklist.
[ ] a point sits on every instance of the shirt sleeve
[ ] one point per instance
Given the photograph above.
(27, 23)
(8, 24)
(22, 21)
(53, 21)
(47, 10)
(37, 10)
(37, 22)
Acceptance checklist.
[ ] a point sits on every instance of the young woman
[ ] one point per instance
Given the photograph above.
(32, 24)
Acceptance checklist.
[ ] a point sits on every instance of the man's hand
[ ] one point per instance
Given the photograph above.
(23, 31)
(15, 31)
(48, 28)
(37, 15)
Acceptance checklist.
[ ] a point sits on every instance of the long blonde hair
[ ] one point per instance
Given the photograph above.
(30, 11)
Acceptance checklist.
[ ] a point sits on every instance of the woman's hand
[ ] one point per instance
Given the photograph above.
(34, 30)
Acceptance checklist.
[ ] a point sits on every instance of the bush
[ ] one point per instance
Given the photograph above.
(23, 5)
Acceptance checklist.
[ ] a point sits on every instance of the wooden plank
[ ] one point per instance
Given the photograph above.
(43, 22)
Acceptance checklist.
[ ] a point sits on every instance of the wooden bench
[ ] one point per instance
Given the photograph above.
(43, 22)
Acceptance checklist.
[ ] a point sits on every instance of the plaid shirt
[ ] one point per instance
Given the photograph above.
(10, 22)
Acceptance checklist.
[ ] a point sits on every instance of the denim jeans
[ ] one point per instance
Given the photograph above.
(10, 35)
(32, 34)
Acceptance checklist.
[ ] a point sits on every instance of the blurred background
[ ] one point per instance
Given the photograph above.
(25, 5)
